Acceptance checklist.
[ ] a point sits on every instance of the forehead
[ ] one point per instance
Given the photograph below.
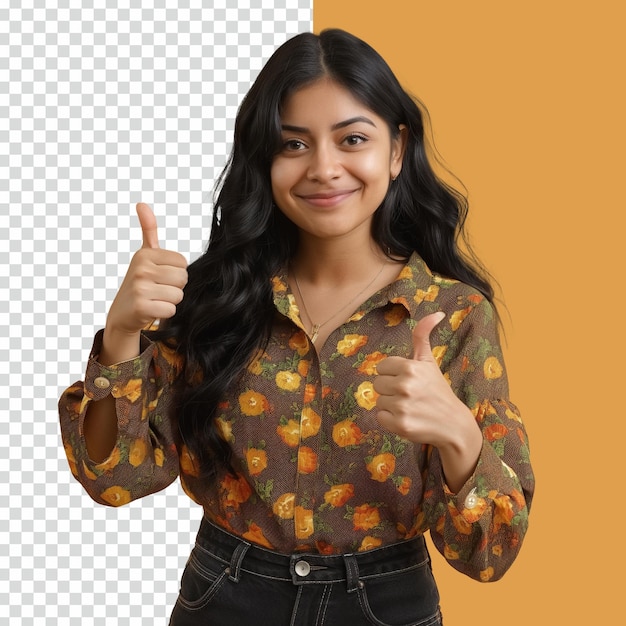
(323, 100)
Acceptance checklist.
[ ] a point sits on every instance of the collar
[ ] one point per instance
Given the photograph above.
(414, 284)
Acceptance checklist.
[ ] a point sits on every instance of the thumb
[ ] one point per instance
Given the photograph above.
(148, 224)
(421, 336)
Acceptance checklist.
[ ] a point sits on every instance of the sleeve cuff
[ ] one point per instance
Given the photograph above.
(470, 499)
(101, 380)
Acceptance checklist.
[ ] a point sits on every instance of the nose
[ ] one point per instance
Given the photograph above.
(324, 164)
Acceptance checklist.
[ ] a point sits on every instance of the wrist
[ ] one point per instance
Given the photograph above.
(118, 346)
(459, 456)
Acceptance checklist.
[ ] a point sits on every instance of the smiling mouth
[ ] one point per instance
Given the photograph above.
(329, 198)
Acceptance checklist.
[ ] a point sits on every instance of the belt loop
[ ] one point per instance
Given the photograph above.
(352, 572)
(236, 560)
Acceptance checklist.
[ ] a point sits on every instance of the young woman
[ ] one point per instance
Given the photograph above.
(326, 379)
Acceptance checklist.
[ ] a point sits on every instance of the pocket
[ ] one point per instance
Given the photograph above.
(202, 578)
(408, 598)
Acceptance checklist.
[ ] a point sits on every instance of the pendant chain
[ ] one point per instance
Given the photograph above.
(315, 328)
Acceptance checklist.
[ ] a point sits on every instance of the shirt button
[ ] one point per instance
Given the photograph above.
(302, 568)
(472, 499)
(101, 382)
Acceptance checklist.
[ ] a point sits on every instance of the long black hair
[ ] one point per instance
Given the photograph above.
(227, 311)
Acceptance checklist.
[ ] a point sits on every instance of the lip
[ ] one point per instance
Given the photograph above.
(327, 198)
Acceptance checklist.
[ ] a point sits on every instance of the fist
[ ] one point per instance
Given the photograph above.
(153, 284)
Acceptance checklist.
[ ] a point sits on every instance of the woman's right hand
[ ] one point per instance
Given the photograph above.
(151, 289)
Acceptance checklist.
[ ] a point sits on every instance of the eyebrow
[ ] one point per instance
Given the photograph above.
(337, 126)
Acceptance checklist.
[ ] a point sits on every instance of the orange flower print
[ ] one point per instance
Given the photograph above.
(495, 432)
(512, 415)
(172, 356)
(338, 495)
(518, 498)
(350, 344)
(492, 368)
(382, 466)
(365, 517)
(365, 395)
(486, 574)
(426, 296)
(310, 423)
(405, 485)
(289, 433)
(256, 460)
(159, 457)
(235, 491)
(71, 459)
(449, 553)
(369, 543)
(294, 311)
(406, 272)
(131, 390)
(137, 452)
(503, 512)
(497, 550)
(438, 353)
(116, 496)
(187, 462)
(225, 429)
(347, 433)
(253, 403)
(255, 367)
(395, 315)
(299, 342)
(309, 393)
(460, 523)
(307, 460)
(304, 522)
(255, 534)
(284, 506)
(278, 285)
(458, 316)
(368, 367)
(88, 472)
(304, 367)
(325, 548)
(288, 381)
(475, 513)
(111, 462)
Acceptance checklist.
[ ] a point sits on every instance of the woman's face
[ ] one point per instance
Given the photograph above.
(335, 164)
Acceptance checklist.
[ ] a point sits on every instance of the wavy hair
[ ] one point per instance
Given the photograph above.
(227, 311)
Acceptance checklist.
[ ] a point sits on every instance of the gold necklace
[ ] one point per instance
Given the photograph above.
(315, 328)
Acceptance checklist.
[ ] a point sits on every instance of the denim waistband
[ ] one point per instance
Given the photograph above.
(304, 568)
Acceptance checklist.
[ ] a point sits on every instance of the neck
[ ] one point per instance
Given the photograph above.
(336, 263)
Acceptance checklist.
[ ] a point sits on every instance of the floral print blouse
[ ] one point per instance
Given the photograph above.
(315, 471)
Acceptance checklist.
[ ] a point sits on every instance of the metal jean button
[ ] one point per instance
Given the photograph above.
(302, 568)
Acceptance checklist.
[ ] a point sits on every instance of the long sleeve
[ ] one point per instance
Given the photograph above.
(145, 458)
(480, 529)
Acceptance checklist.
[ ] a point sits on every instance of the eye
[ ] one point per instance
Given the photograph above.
(354, 139)
(293, 145)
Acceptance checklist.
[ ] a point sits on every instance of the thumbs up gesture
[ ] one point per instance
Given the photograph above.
(415, 401)
(153, 284)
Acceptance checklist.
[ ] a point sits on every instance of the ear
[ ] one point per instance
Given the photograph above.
(398, 148)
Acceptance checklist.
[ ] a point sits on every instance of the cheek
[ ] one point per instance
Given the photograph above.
(281, 177)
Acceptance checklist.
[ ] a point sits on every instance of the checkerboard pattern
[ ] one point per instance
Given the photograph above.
(101, 108)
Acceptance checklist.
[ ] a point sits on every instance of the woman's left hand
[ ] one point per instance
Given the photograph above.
(416, 402)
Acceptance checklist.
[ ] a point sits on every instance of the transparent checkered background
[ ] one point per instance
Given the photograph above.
(101, 108)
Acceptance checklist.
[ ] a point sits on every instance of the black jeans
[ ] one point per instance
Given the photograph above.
(230, 582)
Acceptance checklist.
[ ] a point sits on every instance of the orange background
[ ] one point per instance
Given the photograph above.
(527, 103)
